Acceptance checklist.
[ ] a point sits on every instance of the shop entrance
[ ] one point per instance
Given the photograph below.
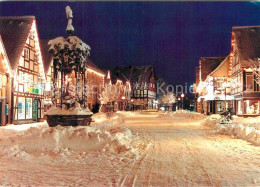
(36, 110)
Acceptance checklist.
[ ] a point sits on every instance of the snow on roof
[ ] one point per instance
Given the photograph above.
(247, 40)
(222, 69)
(93, 66)
(209, 64)
(14, 32)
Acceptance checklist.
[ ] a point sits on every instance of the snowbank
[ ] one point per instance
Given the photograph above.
(245, 131)
(35, 141)
(105, 135)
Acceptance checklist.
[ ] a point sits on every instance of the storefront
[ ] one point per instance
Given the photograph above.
(247, 107)
(28, 108)
(217, 104)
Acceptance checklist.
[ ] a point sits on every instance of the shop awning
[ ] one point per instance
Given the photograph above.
(218, 97)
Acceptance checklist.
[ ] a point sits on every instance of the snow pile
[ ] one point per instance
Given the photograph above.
(212, 120)
(241, 131)
(44, 140)
(245, 131)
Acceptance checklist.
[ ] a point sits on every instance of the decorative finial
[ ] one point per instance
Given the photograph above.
(70, 28)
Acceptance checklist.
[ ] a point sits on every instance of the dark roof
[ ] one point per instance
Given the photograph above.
(46, 55)
(90, 64)
(209, 64)
(134, 74)
(248, 44)
(14, 32)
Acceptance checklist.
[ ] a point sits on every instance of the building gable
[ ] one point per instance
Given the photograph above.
(14, 32)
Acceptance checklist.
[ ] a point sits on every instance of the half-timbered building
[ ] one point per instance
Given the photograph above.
(143, 85)
(205, 91)
(21, 41)
(244, 57)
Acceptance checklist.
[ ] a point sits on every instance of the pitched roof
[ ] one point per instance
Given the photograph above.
(222, 69)
(91, 65)
(14, 32)
(248, 44)
(134, 74)
(46, 55)
(209, 64)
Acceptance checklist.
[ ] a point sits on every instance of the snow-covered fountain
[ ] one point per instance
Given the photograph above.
(69, 79)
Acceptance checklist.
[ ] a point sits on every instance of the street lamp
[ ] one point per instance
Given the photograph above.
(123, 98)
(182, 95)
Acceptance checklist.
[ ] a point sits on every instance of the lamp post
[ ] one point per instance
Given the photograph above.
(123, 98)
(179, 102)
(182, 96)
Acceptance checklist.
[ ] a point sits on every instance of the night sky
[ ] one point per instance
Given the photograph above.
(170, 35)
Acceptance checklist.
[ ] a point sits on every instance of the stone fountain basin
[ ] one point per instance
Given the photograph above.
(68, 117)
(69, 120)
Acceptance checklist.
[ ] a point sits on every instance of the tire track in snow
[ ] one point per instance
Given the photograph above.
(131, 177)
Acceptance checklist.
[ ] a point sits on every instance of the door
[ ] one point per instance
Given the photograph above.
(35, 110)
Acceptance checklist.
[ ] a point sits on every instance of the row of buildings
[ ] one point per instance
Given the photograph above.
(231, 81)
(26, 71)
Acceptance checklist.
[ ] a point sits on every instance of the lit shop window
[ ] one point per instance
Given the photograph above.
(21, 108)
(28, 108)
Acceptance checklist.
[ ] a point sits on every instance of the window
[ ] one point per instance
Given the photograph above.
(26, 54)
(138, 93)
(21, 108)
(249, 82)
(28, 108)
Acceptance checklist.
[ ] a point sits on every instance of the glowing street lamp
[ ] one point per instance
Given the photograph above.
(182, 96)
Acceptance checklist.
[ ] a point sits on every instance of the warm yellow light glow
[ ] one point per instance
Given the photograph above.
(95, 72)
(6, 62)
(118, 81)
(38, 51)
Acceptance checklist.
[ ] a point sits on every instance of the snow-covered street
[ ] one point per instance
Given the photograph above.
(174, 149)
